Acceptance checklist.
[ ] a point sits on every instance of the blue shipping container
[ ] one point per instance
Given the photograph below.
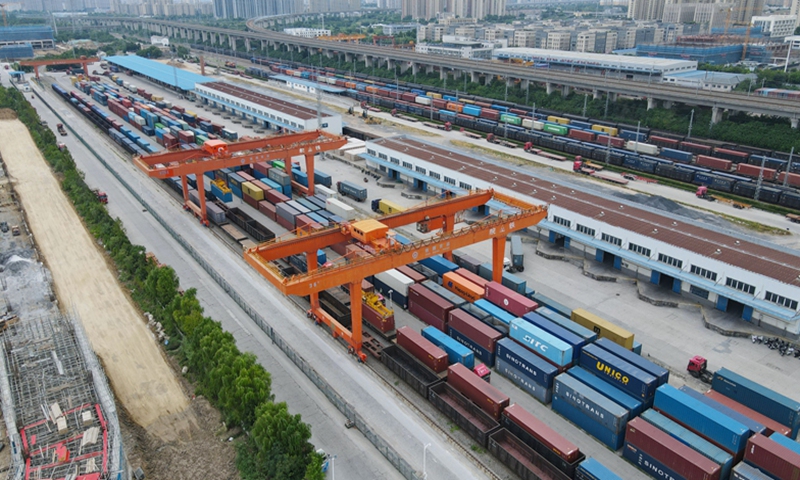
(439, 264)
(691, 439)
(541, 342)
(648, 464)
(619, 397)
(565, 322)
(495, 311)
(526, 362)
(611, 439)
(456, 353)
(509, 280)
(618, 372)
(591, 469)
(782, 409)
(786, 442)
(481, 353)
(223, 197)
(321, 178)
(724, 431)
(598, 407)
(557, 331)
(748, 422)
(661, 373)
(523, 381)
(397, 298)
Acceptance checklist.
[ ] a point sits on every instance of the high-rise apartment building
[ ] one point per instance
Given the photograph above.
(255, 8)
(647, 9)
(795, 10)
(476, 9)
(745, 10)
(423, 9)
(323, 6)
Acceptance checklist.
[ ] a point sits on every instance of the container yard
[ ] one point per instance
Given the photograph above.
(475, 344)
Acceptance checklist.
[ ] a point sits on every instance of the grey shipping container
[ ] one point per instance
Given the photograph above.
(535, 367)
(565, 322)
(286, 212)
(444, 293)
(524, 381)
(592, 403)
(279, 176)
(744, 471)
(297, 206)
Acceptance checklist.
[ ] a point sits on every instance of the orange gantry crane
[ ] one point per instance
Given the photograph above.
(83, 61)
(216, 154)
(385, 253)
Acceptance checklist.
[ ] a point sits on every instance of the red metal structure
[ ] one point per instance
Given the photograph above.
(216, 154)
(385, 254)
(83, 61)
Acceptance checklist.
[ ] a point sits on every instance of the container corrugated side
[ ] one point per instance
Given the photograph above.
(487, 397)
(758, 397)
(538, 435)
(541, 342)
(691, 439)
(439, 264)
(770, 425)
(619, 373)
(591, 469)
(565, 322)
(603, 327)
(609, 438)
(785, 442)
(616, 395)
(480, 353)
(523, 381)
(661, 373)
(593, 404)
(538, 369)
(772, 458)
(444, 293)
(720, 429)
(743, 471)
(456, 352)
(748, 422)
(558, 331)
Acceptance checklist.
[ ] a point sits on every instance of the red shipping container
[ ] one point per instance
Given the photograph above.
(680, 458)
(169, 140)
(743, 156)
(435, 321)
(773, 458)
(250, 200)
(509, 300)
(430, 301)
(488, 398)
(340, 248)
(126, 103)
(284, 223)
(794, 179)
(275, 197)
(483, 104)
(472, 277)
(664, 141)
(517, 111)
(302, 221)
(438, 103)
(540, 431)
(616, 142)
(770, 424)
(422, 349)
(178, 108)
(354, 251)
(474, 329)
(755, 171)
(695, 147)
(217, 127)
(246, 176)
(490, 114)
(262, 168)
(581, 135)
(715, 163)
(378, 321)
(267, 209)
(409, 97)
(411, 273)
(259, 184)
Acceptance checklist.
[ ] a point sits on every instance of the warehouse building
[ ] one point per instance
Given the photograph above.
(38, 37)
(272, 113)
(159, 73)
(756, 282)
(597, 63)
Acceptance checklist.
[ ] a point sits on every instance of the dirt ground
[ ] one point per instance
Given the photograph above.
(145, 386)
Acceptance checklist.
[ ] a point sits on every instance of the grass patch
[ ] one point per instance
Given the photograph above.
(477, 448)
(453, 427)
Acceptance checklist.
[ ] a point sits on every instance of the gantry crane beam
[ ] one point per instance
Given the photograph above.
(83, 61)
(353, 271)
(216, 154)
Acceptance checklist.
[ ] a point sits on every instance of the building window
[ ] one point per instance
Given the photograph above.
(700, 292)
(408, 165)
(449, 180)
(741, 286)
(396, 161)
(371, 152)
(382, 156)
(562, 221)
(671, 261)
(420, 170)
(465, 186)
(435, 175)
(702, 272)
(584, 229)
(780, 300)
(639, 249)
(612, 240)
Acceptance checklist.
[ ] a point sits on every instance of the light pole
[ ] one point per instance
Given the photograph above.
(691, 119)
(425, 461)
(389, 297)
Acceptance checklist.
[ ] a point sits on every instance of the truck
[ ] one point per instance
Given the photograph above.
(61, 130)
(698, 368)
(102, 197)
(517, 257)
(351, 190)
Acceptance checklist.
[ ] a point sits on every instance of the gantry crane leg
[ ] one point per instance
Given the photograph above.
(310, 172)
(355, 316)
(498, 253)
(447, 227)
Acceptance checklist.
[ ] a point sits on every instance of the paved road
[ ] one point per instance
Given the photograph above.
(356, 457)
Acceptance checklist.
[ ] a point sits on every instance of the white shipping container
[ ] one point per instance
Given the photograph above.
(323, 190)
(339, 208)
(527, 123)
(139, 120)
(396, 281)
(423, 100)
(641, 147)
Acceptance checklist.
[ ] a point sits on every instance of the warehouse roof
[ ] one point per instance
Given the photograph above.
(308, 83)
(158, 71)
(272, 103)
(596, 60)
(749, 256)
(20, 34)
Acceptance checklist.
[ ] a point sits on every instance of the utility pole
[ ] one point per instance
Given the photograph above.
(691, 119)
(638, 126)
(788, 168)
(760, 178)
(585, 100)
(608, 95)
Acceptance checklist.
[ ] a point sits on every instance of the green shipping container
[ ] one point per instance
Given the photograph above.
(200, 140)
(159, 125)
(278, 164)
(510, 119)
(556, 129)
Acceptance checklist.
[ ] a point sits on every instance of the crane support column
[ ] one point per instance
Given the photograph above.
(498, 253)
(185, 185)
(355, 318)
(310, 173)
(311, 266)
(201, 197)
(447, 228)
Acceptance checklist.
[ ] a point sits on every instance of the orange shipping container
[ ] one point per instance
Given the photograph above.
(462, 287)
(455, 107)
(372, 89)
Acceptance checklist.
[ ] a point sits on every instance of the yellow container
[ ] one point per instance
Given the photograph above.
(367, 231)
(73, 79)
(386, 207)
(561, 120)
(603, 328)
(252, 191)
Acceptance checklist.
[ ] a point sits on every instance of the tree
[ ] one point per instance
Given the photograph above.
(182, 51)
(281, 441)
(314, 469)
